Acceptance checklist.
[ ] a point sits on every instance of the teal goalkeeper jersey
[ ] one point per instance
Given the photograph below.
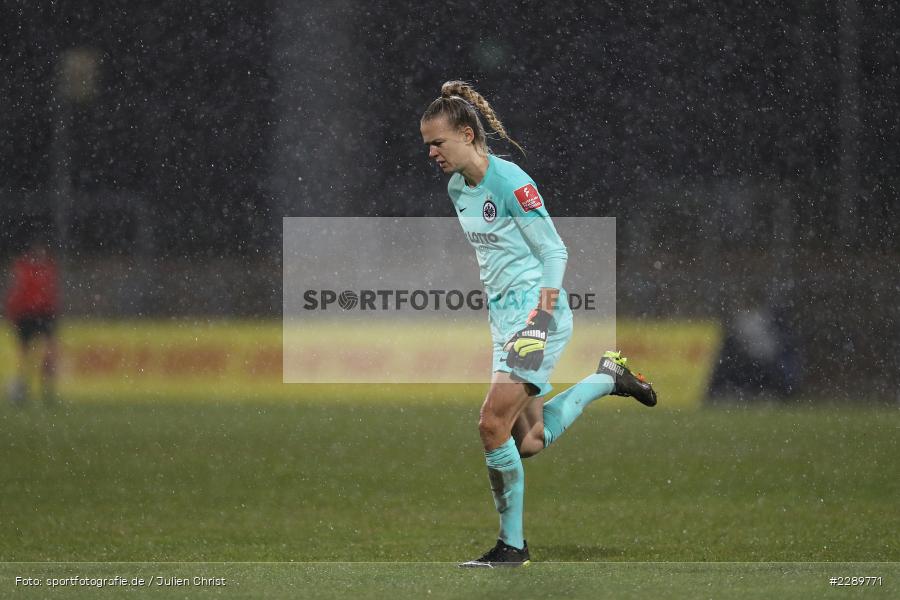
(505, 220)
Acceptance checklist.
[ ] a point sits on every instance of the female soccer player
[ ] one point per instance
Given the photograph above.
(522, 261)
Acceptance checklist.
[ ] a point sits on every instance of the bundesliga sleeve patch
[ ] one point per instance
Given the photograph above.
(528, 197)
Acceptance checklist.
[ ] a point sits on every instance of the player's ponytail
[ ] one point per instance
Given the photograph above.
(460, 104)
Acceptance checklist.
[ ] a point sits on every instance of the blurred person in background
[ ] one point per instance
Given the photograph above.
(32, 305)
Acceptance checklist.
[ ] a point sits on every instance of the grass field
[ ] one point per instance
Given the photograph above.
(620, 505)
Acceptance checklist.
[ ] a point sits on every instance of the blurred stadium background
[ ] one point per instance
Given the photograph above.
(749, 153)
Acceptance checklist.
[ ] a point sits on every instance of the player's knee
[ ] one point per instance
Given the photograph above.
(487, 425)
(491, 428)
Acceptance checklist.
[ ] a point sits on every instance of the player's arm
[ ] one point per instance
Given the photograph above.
(547, 245)
(526, 348)
(548, 299)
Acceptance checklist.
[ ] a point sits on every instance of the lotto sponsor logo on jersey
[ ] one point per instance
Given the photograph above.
(483, 239)
(528, 197)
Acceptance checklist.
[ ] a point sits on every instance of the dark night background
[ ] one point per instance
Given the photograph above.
(749, 153)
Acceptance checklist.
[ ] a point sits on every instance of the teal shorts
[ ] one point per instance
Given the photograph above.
(505, 324)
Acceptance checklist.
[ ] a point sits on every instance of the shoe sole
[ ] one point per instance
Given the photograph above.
(478, 565)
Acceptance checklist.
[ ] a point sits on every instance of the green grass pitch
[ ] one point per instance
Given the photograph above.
(376, 493)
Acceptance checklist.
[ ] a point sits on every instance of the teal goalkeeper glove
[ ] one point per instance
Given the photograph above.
(526, 348)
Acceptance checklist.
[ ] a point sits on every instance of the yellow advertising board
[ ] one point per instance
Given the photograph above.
(241, 360)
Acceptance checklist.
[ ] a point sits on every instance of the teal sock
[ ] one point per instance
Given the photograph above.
(508, 485)
(562, 411)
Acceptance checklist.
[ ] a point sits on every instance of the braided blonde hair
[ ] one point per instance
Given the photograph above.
(460, 103)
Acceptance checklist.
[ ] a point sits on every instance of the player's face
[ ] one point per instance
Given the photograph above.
(450, 148)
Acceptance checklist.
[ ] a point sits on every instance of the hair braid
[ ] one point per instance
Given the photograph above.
(465, 91)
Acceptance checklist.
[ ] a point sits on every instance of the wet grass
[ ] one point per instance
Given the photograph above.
(366, 481)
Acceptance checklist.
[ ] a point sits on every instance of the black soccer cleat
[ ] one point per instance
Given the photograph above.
(626, 383)
(501, 555)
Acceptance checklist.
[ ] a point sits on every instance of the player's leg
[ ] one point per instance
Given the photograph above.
(48, 365)
(538, 425)
(542, 423)
(529, 427)
(504, 402)
(560, 412)
(18, 387)
(528, 430)
(511, 414)
(612, 377)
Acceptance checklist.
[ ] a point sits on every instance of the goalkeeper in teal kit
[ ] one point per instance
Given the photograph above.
(522, 262)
